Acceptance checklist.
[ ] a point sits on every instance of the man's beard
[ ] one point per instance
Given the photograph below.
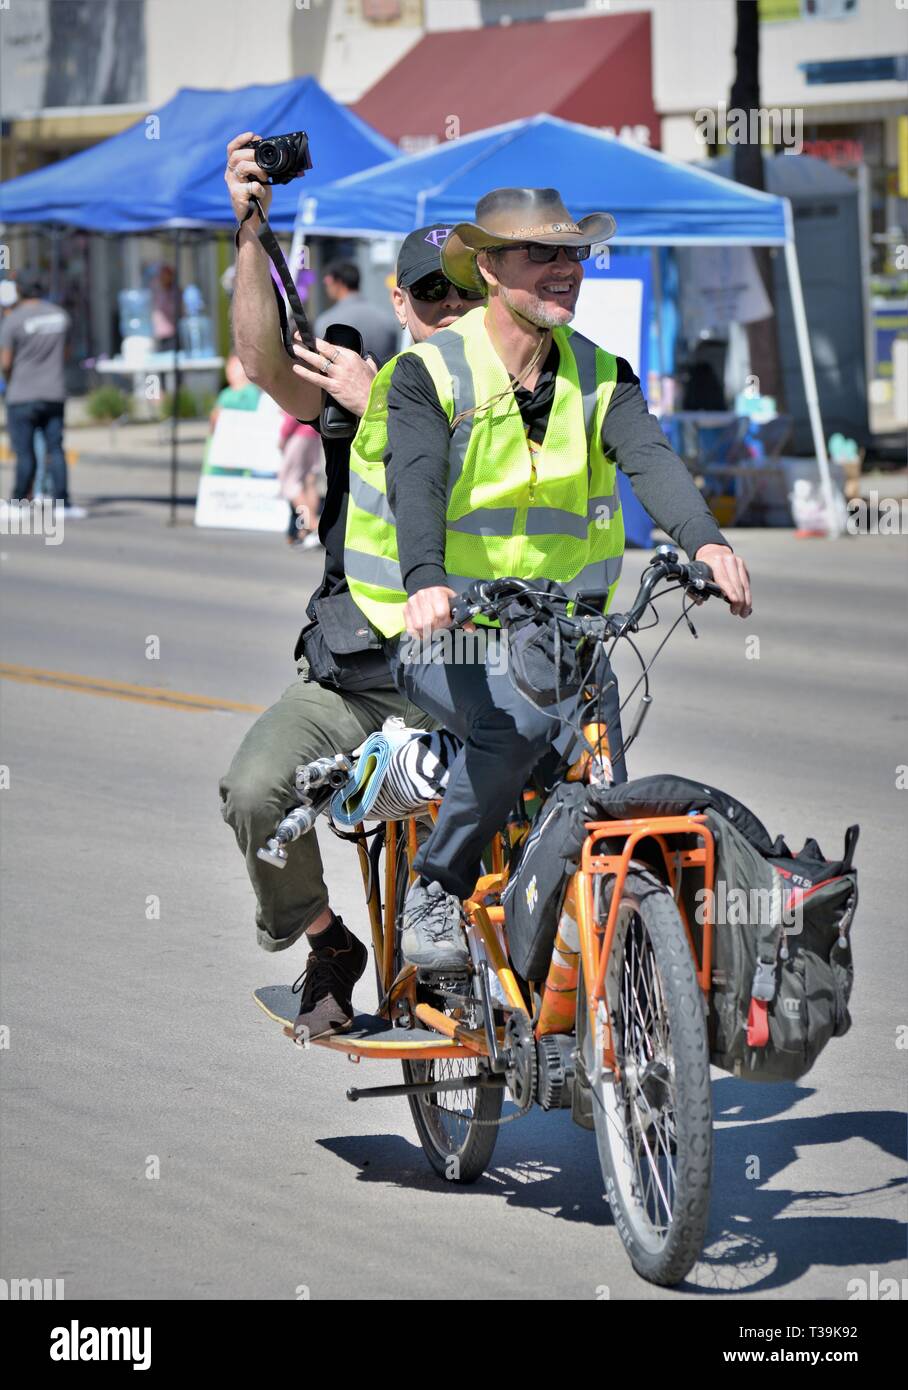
(538, 312)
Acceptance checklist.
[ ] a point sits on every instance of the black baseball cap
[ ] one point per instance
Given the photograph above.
(421, 254)
(31, 284)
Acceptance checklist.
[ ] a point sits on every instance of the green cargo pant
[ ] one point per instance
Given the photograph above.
(309, 721)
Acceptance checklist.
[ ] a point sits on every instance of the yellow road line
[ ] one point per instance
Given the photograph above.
(122, 690)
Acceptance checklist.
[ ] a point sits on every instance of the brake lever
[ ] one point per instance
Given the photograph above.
(463, 611)
(621, 625)
(700, 583)
(701, 591)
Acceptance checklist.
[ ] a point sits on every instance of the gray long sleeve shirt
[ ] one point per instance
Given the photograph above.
(417, 464)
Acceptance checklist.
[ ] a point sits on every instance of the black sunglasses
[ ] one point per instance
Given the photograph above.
(540, 254)
(433, 287)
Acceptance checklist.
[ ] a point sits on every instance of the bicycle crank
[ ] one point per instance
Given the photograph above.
(520, 1060)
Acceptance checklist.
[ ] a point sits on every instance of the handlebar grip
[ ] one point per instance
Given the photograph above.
(462, 609)
(699, 569)
(701, 577)
(480, 595)
(472, 601)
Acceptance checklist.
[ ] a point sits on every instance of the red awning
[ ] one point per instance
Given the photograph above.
(594, 71)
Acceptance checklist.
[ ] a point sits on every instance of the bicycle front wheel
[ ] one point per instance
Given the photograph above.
(653, 1121)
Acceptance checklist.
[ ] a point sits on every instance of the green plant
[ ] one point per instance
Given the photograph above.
(107, 403)
(188, 405)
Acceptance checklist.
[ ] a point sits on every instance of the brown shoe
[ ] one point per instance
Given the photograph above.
(326, 989)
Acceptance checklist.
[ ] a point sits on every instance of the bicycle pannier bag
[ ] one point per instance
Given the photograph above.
(667, 794)
(535, 890)
(782, 963)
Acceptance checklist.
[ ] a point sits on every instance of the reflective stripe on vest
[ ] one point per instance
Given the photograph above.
(509, 511)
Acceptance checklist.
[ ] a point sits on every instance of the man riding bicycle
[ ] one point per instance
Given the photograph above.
(492, 451)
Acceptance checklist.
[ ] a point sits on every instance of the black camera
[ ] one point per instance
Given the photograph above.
(283, 157)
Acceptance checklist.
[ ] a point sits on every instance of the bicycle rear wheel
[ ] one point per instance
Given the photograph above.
(654, 1122)
(457, 1129)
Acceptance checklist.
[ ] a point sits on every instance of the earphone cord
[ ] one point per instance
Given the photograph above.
(513, 382)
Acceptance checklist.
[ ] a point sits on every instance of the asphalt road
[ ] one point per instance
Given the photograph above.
(160, 1138)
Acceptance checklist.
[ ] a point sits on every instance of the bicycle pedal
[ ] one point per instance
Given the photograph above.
(438, 979)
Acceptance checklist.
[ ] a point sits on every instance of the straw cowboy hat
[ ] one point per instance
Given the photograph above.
(510, 216)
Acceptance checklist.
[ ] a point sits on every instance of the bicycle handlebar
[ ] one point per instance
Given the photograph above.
(487, 597)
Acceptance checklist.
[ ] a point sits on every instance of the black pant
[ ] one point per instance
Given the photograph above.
(505, 738)
(23, 420)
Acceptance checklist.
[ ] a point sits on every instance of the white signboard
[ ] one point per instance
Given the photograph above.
(238, 487)
(609, 311)
(719, 286)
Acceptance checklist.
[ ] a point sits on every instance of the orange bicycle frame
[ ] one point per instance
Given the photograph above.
(556, 1012)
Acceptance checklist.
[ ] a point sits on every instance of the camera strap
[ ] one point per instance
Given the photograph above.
(334, 422)
(272, 247)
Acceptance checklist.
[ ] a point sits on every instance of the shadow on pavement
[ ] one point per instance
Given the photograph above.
(132, 497)
(758, 1239)
(532, 1171)
(762, 1238)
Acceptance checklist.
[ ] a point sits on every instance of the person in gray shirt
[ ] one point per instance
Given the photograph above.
(380, 334)
(32, 346)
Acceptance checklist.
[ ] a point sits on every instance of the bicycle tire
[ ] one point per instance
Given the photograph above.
(654, 1125)
(459, 1148)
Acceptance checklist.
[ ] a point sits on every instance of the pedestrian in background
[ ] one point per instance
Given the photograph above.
(164, 308)
(301, 473)
(380, 333)
(239, 394)
(32, 355)
(9, 295)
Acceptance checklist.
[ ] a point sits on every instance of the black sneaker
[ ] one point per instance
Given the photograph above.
(326, 989)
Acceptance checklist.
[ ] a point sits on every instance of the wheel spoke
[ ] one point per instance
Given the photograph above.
(447, 1122)
(651, 1114)
(449, 1113)
(645, 1130)
(653, 1181)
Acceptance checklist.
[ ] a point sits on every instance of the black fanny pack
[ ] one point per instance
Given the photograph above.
(341, 649)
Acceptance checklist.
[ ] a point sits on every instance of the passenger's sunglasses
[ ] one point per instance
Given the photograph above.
(431, 288)
(540, 254)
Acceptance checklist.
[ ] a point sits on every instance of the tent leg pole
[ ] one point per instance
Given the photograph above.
(176, 381)
(656, 311)
(55, 291)
(810, 384)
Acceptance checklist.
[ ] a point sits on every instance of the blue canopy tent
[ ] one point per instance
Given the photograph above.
(656, 202)
(167, 170)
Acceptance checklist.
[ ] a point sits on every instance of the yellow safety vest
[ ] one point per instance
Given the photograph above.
(536, 512)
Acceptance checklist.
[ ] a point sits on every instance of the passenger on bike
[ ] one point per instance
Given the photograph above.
(316, 716)
(491, 451)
